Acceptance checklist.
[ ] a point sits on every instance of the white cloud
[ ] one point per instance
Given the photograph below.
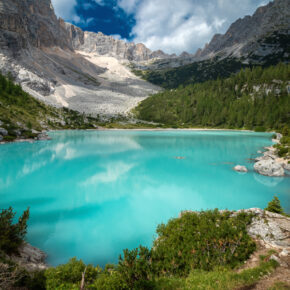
(183, 25)
(129, 6)
(65, 9)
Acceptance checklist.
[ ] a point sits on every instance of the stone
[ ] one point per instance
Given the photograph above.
(284, 253)
(269, 167)
(240, 168)
(17, 132)
(287, 166)
(1, 138)
(42, 136)
(3, 132)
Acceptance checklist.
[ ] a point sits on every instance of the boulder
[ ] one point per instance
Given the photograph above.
(269, 167)
(42, 136)
(240, 168)
(3, 132)
(287, 166)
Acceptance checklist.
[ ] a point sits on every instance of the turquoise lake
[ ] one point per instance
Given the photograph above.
(93, 193)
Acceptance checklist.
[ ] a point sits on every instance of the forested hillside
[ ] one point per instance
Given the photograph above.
(192, 73)
(251, 98)
(21, 114)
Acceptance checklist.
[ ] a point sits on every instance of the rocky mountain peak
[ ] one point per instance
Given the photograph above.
(239, 38)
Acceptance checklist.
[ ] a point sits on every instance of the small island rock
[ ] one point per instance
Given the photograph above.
(240, 168)
(269, 167)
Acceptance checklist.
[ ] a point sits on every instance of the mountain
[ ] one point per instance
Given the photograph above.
(244, 38)
(101, 44)
(261, 39)
(249, 99)
(60, 64)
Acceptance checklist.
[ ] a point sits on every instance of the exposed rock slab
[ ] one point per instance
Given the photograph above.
(30, 258)
(272, 229)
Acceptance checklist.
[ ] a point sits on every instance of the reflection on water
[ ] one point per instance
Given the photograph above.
(94, 193)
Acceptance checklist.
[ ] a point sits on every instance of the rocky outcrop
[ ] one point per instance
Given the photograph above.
(269, 167)
(105, 45)
(271, 229)
(30, 258)
(241, 39)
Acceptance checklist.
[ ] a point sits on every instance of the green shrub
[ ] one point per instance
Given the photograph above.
(69, 276)
(202, 241)
(12, 235)
(109, 280)
(135, 268)
(275, 206)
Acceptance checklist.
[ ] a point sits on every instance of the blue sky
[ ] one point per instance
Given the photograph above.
(171, 25)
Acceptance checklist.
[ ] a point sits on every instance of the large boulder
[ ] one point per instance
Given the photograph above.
(269, 167)
(240, 168)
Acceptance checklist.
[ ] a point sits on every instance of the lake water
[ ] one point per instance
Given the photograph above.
(93, 193)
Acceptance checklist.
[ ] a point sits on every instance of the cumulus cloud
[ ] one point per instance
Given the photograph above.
(65, 9)
(183, 25)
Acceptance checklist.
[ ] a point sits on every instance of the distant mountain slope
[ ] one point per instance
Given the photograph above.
(242, 37)
(40, 51)
(261, 39)
(251, 98)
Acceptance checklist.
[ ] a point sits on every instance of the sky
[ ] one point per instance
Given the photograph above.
(173, 26)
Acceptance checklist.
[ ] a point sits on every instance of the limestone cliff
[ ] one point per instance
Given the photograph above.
(60, 64)
(107, 45)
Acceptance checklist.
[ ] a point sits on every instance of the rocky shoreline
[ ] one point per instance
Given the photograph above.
(270, 230)
(39, 136)
(269, 164)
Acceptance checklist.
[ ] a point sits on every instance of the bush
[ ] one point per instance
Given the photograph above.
(12, 235)
(202, 241)
(136, 268)
(275, 206)
(69, 276)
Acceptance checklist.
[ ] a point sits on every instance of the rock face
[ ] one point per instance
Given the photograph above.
(269, 167)
(31, 23)
(101, 44)
(241, 38)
